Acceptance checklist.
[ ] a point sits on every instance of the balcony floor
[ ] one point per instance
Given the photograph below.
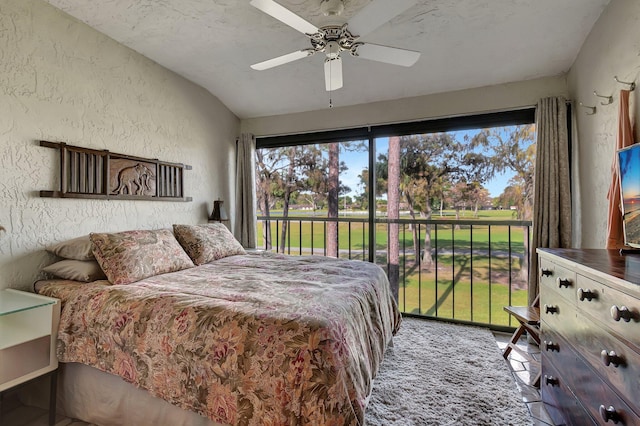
(523, 372)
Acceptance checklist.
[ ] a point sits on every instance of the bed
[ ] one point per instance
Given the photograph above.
(242, 339)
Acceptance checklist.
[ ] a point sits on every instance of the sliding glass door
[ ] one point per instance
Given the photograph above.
(444, 207)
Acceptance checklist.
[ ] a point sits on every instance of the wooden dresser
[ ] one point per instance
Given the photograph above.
(590, 336)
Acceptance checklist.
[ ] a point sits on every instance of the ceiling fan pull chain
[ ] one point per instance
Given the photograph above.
(330, 93)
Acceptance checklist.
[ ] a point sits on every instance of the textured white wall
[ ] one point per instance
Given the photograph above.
(480, 100)
(63, 81)
(612, 48)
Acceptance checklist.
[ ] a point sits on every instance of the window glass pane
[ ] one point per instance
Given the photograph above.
(442, 202)
(313, 197)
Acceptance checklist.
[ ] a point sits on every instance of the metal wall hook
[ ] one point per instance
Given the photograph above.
(592, 108)
(632, 85)
(608, 98)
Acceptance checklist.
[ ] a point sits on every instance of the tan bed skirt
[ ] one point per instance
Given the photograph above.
(88, 394)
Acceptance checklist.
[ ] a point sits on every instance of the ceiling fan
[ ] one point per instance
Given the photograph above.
(332, 40)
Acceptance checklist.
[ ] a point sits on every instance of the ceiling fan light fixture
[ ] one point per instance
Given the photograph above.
(331, 7)
(333, 73)
(332, 50)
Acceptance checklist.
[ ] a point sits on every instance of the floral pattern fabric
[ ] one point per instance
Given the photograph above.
(126, 257)
(206, 243)
(258, 339)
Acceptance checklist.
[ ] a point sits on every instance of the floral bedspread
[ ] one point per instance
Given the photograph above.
(257, 339)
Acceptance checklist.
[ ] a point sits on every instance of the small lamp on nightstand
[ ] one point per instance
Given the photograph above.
(219, 214)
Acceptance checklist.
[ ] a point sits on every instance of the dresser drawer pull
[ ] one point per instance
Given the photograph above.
(609, 413)
(546, 272)
(622, 312)
(550, 346)
(611, 357)
(550, 381)
(564, 282)
(550, 309)
(586, 294)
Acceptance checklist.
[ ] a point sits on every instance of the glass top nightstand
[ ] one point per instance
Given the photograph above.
(28, 330)
(12, 301)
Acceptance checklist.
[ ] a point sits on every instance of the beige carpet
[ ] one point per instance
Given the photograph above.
(444, 374)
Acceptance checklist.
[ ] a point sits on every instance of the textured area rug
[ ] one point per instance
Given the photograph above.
(438, 373)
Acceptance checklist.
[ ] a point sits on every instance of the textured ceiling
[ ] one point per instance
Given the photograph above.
(464, 44)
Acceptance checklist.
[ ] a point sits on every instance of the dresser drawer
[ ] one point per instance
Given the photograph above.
(559, 279)
(612, 308)
(589, 341)
(560, 402)
(558, 352)
(557, 314)
(593, 393)
(615, 361)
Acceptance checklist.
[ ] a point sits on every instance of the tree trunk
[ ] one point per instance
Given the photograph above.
(393, 212)
(262, 186)
(287, 197)
(523, 274)
(266, 226)
(427, 259)
(334, 184)
(414, 229)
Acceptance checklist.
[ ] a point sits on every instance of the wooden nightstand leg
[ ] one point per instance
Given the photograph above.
(53, 381)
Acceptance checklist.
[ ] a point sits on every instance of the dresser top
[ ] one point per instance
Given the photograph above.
(610, 262)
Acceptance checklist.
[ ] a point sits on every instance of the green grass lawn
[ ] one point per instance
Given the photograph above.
(355, 235)
(480, 302)
(455, 295)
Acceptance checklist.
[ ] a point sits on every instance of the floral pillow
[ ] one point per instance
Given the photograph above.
(206, 243)
(130, 256)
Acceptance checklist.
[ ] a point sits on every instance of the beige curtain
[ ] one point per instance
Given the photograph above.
(552, 192)
(245, 224)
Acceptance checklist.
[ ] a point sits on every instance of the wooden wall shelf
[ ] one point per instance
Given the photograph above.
(100, 174)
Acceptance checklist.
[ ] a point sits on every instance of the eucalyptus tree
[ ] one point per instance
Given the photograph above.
(427, 162)
(281, 173)
(471, 194)
(269, 163)
(333, 189)
(514, 149)
(393, 214)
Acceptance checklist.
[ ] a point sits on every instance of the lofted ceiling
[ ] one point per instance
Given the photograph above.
(464, 44)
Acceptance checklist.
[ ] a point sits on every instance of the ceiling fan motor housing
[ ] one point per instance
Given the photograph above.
(333, 35)
(331, 7)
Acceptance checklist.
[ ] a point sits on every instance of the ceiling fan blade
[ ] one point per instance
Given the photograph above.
(333, 73)
(377, 13)
(284, 59)
(284, 15)
(389, 55)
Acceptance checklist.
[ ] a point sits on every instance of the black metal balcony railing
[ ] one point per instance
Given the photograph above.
(457, 270)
